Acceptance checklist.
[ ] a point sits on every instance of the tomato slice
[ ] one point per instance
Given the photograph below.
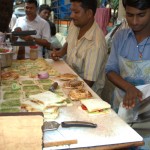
(83, 107)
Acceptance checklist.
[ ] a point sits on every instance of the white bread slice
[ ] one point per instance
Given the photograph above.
(51, 116)
(30, 106)
(48, 98)
(93, 105)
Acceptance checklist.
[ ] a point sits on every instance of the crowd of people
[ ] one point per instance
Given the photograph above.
(86, 50)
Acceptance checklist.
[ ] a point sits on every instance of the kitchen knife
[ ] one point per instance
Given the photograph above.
(53, 125)
(145, 116)
(138, 110)
(53, 87)
(141, 105)
(139, 118)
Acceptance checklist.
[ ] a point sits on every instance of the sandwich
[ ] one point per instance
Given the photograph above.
(50, 112)
(73, 84)
(77, 94)
(47, 98)
(67, 76)
(95, 106)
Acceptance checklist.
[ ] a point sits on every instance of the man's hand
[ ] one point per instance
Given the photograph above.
(27, 38)
(132, 94)
(18, 29)
(55, 55)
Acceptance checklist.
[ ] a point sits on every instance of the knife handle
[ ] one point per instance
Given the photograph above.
(24, 33)
(53, 87)
(78, 124)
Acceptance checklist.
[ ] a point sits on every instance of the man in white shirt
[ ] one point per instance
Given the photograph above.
(12, 21)
(33, 22)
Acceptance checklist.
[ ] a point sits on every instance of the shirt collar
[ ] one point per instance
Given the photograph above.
(131, 33)
(89, 34)
(36, 18)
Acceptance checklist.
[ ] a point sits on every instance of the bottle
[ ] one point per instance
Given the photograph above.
(33, 52)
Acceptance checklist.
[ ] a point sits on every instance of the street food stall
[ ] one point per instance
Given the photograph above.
(29, 104)
(28, 80)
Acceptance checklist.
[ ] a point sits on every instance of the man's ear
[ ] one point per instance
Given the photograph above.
(89, 13)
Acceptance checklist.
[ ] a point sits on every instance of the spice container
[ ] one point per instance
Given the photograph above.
(33, 52)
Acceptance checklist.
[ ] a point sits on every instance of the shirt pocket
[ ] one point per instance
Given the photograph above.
(78, 64)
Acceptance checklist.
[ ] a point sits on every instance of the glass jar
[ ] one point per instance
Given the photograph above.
(33, 52)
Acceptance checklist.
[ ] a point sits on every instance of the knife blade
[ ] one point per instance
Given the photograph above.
(141, 105)
(139, 118)
(139, 109)
(145, 116)
(53, 87)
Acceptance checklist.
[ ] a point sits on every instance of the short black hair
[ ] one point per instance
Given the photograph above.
(87, 4)
(43, 7)
(139, 4)
(32, 2)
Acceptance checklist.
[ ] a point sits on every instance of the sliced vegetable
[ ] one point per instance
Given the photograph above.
(15, 86)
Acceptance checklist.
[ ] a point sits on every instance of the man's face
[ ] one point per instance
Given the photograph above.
(30, 9)
(138, 20)
(79, 16)
(45, 14)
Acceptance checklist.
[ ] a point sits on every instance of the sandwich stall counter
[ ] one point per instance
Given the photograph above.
(108, 131)
(111, 131)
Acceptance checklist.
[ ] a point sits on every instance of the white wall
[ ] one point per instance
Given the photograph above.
(43, 1)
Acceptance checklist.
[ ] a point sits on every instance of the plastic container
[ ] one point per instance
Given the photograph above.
(6, 59)
(6, 55)
(33, 52)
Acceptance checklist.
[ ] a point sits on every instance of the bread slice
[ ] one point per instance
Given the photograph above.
(67, 76)
(93, 105)
(73, 84)
(77, 94)
(51, 116)
(47, 98)
(30, 106)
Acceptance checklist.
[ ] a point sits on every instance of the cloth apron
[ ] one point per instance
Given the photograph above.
(136, 73)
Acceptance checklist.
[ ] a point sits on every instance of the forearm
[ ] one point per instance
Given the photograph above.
(41, 42)
(118, 81)
(131, 92)
(63, 50)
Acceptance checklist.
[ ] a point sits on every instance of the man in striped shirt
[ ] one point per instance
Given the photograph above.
(85, 45)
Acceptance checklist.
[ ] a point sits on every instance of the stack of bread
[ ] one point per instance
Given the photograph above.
(46, 102)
